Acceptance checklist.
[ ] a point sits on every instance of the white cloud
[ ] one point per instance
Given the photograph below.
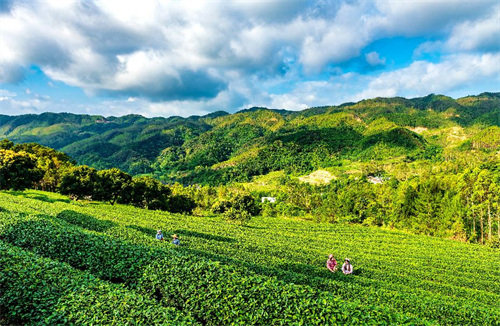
(425, 17)
(373, 59)
(288, 102)
(209, 55)
(422, 77)
(482, 34)
(428, 47)
(456, 75)
(479, 35)
(336, 90)
(11, 106)
(6, 93)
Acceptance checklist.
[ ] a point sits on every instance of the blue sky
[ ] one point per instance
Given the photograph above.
(163, 58)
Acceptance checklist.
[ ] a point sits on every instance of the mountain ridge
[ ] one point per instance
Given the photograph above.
(190, 149)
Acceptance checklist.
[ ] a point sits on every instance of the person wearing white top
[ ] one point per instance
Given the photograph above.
(347, 267)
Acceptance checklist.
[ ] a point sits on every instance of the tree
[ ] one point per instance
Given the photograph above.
(111, 184)
(6, 144)
(18, 171)
(148, 193)
(466, 186)
(428, 206)
(481, 198)
(78, 182)
(495, 198)
(181, 204)
(237, 215)
(50, 161)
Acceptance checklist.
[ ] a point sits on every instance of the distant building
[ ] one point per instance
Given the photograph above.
(375, 180)
(269, 199)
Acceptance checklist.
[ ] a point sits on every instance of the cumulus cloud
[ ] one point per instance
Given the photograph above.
(478, 35)
(481, 34)
(422, 77)
(336, 90)
(289, 102)
(456, 75)
(337, 40)
(234, 98)
(220, 55)
(13, 106)
(425, 17)
(6, 93)
(374, 59)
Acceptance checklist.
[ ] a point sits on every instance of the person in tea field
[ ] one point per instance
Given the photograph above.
(159, 235)
(347, 267)
(176, 240)
(331, 263)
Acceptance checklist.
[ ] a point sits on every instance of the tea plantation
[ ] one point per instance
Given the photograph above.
(65, 262)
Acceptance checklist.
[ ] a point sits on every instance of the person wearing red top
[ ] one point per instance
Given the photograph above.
(331, 263)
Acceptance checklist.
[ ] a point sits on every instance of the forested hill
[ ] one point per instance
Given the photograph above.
(222, 147)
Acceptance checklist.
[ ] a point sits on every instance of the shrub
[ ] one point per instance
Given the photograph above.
(237, 215)
(239, 202)
(181, 204)
(221, 206)
(269, 210)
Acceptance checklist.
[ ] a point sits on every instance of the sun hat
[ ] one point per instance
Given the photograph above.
(175, 236)
(158, 231)
(347, 259)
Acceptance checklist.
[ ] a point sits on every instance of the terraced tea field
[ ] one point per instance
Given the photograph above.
(68, 262)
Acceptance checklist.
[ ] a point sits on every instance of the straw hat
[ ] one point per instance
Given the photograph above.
(175, 236)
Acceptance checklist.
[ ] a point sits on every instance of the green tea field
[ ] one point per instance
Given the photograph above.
(66, 262)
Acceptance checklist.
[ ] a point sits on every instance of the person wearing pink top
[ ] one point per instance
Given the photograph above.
(331, 263)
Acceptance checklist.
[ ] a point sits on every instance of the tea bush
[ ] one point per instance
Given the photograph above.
(39, 291)
(187, 278)
(433, 280)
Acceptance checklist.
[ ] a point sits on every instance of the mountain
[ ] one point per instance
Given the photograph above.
(130, 142)
(222, 147)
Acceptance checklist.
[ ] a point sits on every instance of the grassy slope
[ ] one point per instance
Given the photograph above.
(431, 278)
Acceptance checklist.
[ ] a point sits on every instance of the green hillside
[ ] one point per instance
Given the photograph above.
(221, 148)
(271, 271)
(129, 142)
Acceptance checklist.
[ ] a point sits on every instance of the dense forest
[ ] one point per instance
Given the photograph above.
(428, 165)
